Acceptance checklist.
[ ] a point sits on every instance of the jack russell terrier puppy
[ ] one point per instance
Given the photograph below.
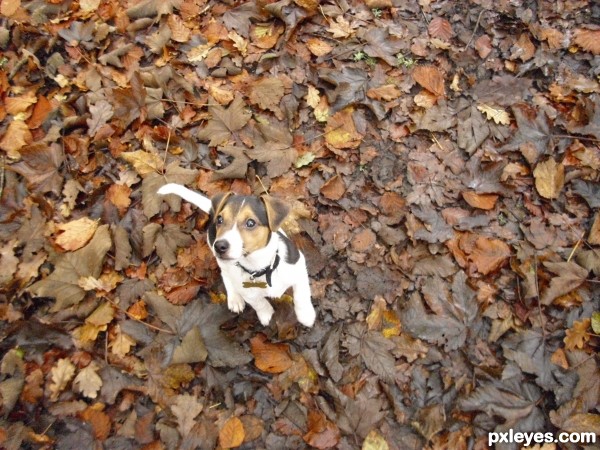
(256, 258)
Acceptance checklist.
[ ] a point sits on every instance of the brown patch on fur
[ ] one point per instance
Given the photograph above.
(238, 211)
(277, 211)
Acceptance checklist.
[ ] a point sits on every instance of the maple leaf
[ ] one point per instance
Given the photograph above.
(533, 130)
(87, 381)
(341, 28)
(152, 182)
(267, 93)
(165, 240)
(569, 277)
(238, 167)
(130, 102)
(278, 157)
(380, 44)
(63, 283)
(102, 112)
(224, 121)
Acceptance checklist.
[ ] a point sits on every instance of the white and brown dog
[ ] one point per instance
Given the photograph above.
(245, 235)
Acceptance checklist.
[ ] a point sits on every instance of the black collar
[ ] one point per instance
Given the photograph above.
(268, 271)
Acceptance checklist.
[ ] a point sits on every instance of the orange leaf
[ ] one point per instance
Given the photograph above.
(322, 433)
(440, 28)
(118, 195)
(489, 254)
(268, 357)
(16, 137)
(232, 434)
(340, 132)
(318, 47)
(430, 78)
(99, 421)
(386, 92)
(40, 112)
(334, 188)
(481, 201)
(588, 40)
(578, 335)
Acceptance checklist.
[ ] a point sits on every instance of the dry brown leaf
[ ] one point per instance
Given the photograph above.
(185, 408)
(578, 335)
(375, 441)
(430, 78)
(549, 178)
(483, 45)
(318, 47)
(16, 137)
(363, 240)
(232, 433)
(553, 36)
(179, 32)
(144, 162)
(312, 97)
(21, 103)
(523, 48)
(489, 255)
(387, 92)
(322, 433)
(9, 7)
(76, 234)
(267, 93)
(440, 28)
(118, 195)
(87, 381)
(341, 28)
(268, 357)
(340, 132)
(221, 95)
(588, 40)
(61, 374)
(121, 344)
(99, 420)
(481, 201)
(334, 188)
(594, 236)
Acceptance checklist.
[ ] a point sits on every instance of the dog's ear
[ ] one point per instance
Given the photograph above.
(276, 209)
(218, 201)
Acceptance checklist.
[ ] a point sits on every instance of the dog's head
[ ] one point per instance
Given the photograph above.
(240, 225)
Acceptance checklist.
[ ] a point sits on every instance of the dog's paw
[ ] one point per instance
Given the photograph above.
(235, 304)
(306, 315)
(264, 316)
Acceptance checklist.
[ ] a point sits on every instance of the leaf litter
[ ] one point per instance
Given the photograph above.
(442, 162)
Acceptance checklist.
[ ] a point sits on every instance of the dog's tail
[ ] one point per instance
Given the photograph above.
(188, 195)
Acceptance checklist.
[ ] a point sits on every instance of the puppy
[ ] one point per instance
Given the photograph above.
(257, 259)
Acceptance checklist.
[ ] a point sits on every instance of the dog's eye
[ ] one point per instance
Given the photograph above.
(250, 223)
(219, 220)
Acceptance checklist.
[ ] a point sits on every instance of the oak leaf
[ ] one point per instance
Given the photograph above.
(87, 381)
(495, 113)
(375, 441)
(387, 92)
(186, 408)
(341, 28)
(121, 344)
(61, 374)
(578, 334)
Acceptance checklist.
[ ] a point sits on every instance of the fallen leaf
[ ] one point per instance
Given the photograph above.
(267, 93)
(268, 357)
(61, 374)
(179, 32)
(497, 114)
(489, 255)
(549, 178)
(186, 408)
(588, 40)
(387, 92)
(430, 78)
(224, 122)
(594, 234)
(99, 420)
(577, 335)
(482, 201)
(76, 234)
(340, 132)
(322, 433)
(334, 188)
(144, 162)
(87, 381)
(375, 441)
(341, 28)
(232, 433)
(121, 344)
(318, 47)
(16, 137)
(440, 28)
(569, 276)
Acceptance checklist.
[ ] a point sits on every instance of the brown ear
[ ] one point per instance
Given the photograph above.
(218, 201)
(277, 211)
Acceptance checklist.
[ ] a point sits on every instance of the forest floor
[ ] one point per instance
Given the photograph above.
(442, 159)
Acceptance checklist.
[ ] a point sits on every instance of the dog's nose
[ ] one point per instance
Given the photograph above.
(221, 246)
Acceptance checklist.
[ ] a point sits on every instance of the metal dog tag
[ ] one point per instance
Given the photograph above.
(253, 284)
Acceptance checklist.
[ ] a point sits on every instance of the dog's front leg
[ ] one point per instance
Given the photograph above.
(264, 309)
(235, 302)
(305, 311)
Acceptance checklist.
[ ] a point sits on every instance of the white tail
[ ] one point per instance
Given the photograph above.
(188, 195)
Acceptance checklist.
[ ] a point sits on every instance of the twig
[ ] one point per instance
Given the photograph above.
(537, 292)
(131, 316)
(474, 30)
(574, 250)
(2, 169)
(263, 186)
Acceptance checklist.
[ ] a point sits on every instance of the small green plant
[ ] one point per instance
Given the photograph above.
(359, 56)
(3, 62)
(377, 12)
(405, 61)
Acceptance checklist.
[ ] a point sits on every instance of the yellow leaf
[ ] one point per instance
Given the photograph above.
(16, 137)
(239, 42)
(76, 234)
(121, 344)
(549, 178)
(375, 441)
(87, 381)
(322, 110)
(312, 97)
(9, 7)
(232, 434)
(340, 132)
(102, 315)
(61, 375)
(495, 113)
(89, 5)
(318, 47)
(143, 162)
(199, 52)
(578, 335)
